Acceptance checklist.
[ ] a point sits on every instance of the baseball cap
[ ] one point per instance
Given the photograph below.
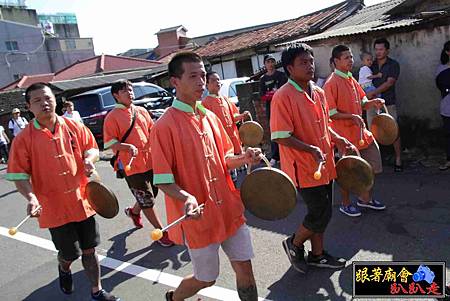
(269, 57)
(15, 110)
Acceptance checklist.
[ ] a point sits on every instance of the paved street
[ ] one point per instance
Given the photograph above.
(416, 226)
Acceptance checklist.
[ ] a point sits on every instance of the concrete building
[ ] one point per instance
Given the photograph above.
(27, 49)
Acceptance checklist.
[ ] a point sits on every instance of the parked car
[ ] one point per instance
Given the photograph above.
(228, 88)
(95, 104)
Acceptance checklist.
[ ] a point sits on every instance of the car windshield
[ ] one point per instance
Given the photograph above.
(232, 92)
(86, 104)
(147, 92)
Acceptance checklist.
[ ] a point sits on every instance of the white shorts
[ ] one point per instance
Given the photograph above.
(206, 260)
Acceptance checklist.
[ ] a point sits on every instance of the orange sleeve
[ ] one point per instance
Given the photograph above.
(111, 132)
(281, 119)
(359, 89)
(19, 162)
(330, 89)
(87, 139)
(161, 144)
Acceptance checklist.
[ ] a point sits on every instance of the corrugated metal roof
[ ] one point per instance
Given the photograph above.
(360, 29)
(290, 29)
(372, 18)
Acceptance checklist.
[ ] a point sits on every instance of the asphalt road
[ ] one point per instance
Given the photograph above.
(415, 226)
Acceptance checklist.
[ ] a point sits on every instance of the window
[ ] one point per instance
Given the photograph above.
(108, 99)
(233, 92)
(70, 44)
(11, 45)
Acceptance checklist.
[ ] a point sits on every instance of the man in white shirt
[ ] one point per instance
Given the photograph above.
(16, 123)
(70, 112)
(4, 141)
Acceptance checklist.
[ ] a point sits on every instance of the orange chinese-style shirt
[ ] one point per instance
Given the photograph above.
(117, 122)
(191, 148)
(226, 111)
(345, 95)
(295, 113)
(54, 164)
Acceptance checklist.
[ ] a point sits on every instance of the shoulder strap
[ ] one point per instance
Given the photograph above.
(127, 133)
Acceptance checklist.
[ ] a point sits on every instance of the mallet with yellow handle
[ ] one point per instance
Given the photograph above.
(128, 167)
(13, 230)
(318, 173)
(158, 233)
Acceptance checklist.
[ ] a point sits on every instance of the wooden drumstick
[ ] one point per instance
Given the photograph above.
(361, 140)
(157, 234)
(13, 230)
(318, 173)
(128, 167)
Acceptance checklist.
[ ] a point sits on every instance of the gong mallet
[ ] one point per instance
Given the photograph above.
(128, 167)
(157, 234)
(12, 231)
(361, 140)
(318, 173)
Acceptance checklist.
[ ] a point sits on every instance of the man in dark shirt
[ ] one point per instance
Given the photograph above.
(390, 71)
(268, 84)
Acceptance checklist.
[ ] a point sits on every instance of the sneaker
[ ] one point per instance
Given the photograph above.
(398, 168)
(65, 281)
(326, 261)
(295, 254)
(165, 240)
(136, 218)
(169, 295)
(104, 296)
(350, 210)
(373, 204)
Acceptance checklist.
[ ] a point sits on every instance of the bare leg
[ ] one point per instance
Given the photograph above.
(245, 281)
(150, 214)
(92, 268)
(188, 287)
(302, 235)
(398, 152)
(317, 244)
(64, 264)
(345, 197)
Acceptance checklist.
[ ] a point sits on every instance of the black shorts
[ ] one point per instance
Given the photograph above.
(319, 204)
(70, 239)
(141, 185)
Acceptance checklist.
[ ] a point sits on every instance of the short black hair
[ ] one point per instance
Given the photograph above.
(291, 52)
(338, 50)
(34, 87)
(444, 55)
(176, 63)
(209, 73)
(119, 85)
(383, 41)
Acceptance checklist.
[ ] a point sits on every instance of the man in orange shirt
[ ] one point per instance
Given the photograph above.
(194, 155)
(227, 111)
(50, 161)
(346, 100)
(137, 146)
(300, 125)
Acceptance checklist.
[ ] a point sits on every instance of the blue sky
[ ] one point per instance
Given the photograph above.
(117, 26)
